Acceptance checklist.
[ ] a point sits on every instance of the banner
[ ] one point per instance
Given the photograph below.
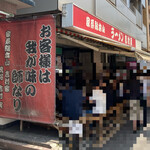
(27, 69)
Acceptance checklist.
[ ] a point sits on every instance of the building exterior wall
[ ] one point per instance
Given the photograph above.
(122, 18)
(148, 23)
(9, 7)
(88, 5)
(40, 7)
(118, 15)
(4, 121)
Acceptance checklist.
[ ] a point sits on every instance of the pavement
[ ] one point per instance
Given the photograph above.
(143, 141)
(32, 137)
(35, 137)
(126, 140)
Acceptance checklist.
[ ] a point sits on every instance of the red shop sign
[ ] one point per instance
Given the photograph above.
(27, 69)
(80, 20)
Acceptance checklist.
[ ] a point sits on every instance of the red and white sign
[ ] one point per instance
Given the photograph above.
(27, 69)
(79, 19)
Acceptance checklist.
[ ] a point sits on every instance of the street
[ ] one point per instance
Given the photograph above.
(126, 140)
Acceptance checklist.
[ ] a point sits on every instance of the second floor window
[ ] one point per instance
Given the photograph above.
(135, 4)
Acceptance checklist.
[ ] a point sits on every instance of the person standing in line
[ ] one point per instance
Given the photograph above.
(136, 111)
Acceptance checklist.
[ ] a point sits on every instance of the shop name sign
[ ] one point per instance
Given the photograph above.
(27, 69)
(81, 21)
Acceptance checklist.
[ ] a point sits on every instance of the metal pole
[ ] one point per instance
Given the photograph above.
(21, 125)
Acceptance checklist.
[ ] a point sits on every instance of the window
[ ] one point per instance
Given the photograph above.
(132, 7)
(135, 4)
(144, 16)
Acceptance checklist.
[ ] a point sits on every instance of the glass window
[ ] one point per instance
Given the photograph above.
(135, 4)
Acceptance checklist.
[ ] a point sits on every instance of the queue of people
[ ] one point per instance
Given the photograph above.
(92, 104)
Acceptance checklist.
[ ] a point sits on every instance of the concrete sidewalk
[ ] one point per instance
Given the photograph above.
(33, 137)
(12, 145)
(38, 137)
(126, 140)
(143, 142)
(123, 140)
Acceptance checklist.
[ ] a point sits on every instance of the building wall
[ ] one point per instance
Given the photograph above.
(122, 18)
(40, 6)
(119, 15)
(88, 5)
(8, 7)
(4, 121)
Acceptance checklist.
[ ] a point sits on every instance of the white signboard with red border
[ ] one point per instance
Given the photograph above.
(76, 19)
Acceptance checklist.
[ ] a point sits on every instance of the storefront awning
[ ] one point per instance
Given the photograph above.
(101, 45)
(141, 56)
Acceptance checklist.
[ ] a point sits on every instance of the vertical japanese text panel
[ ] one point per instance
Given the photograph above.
(27, 70)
